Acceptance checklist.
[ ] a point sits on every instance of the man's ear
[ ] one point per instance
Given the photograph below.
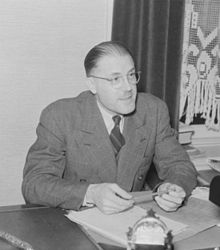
(91, 85)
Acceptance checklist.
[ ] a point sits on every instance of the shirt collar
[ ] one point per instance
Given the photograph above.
(107, 117)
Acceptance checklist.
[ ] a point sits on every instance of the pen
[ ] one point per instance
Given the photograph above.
(142, 198)
(214, 160)
(146, 197)
(15, 241)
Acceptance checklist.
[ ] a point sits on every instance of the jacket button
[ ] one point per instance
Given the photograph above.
(140, 177)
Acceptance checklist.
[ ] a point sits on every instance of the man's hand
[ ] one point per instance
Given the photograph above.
(109, 197)
(170, 196)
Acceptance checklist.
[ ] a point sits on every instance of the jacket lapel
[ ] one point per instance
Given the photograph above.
(132, 154)
(94, 138)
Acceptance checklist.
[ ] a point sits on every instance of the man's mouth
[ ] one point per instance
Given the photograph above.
(124, 98)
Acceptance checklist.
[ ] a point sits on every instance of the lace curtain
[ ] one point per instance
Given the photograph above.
(200, 76)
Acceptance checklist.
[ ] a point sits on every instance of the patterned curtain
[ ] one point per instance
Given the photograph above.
(200, 77)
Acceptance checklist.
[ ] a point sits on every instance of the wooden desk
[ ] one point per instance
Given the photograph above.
(48, 229)
(206, 176)
(205, 239)
(43, 228)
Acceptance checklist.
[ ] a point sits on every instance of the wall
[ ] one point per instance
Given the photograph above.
(42, 47)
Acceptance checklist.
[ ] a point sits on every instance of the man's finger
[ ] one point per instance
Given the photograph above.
(173, 199)
(166, 205)
(180, 194)
(121, 192)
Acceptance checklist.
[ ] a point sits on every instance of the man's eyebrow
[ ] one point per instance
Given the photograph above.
(115, 74)
(119, 73)
(133, 69)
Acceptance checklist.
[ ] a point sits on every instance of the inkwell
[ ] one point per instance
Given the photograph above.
(149, 233)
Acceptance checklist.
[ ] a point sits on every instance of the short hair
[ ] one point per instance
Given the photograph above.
(104, 49)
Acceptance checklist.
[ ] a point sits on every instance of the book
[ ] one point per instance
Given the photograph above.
(185, 134)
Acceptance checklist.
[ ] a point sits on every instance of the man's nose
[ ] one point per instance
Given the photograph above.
(126, 85)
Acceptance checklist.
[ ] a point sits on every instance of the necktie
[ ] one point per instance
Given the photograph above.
(116, 137)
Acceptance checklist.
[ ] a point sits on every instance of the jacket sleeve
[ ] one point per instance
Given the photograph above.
(171, 160)
(45, 166)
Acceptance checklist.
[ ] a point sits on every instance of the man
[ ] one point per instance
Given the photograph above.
(75, 160)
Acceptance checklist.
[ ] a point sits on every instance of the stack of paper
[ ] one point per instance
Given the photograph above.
(185, 133)
(116, 226)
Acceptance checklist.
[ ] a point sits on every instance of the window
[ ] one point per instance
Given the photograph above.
(200, 76)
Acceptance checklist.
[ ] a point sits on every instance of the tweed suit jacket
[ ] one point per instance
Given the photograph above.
(73, 150)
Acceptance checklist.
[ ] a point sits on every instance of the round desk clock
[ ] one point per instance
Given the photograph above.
(149, 233)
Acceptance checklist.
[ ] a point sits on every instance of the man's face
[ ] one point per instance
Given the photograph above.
(115, 100)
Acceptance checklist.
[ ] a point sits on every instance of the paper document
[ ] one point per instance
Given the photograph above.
(115, 226)
(201, 193)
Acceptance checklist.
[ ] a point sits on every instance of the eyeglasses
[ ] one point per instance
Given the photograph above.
(117, 81)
